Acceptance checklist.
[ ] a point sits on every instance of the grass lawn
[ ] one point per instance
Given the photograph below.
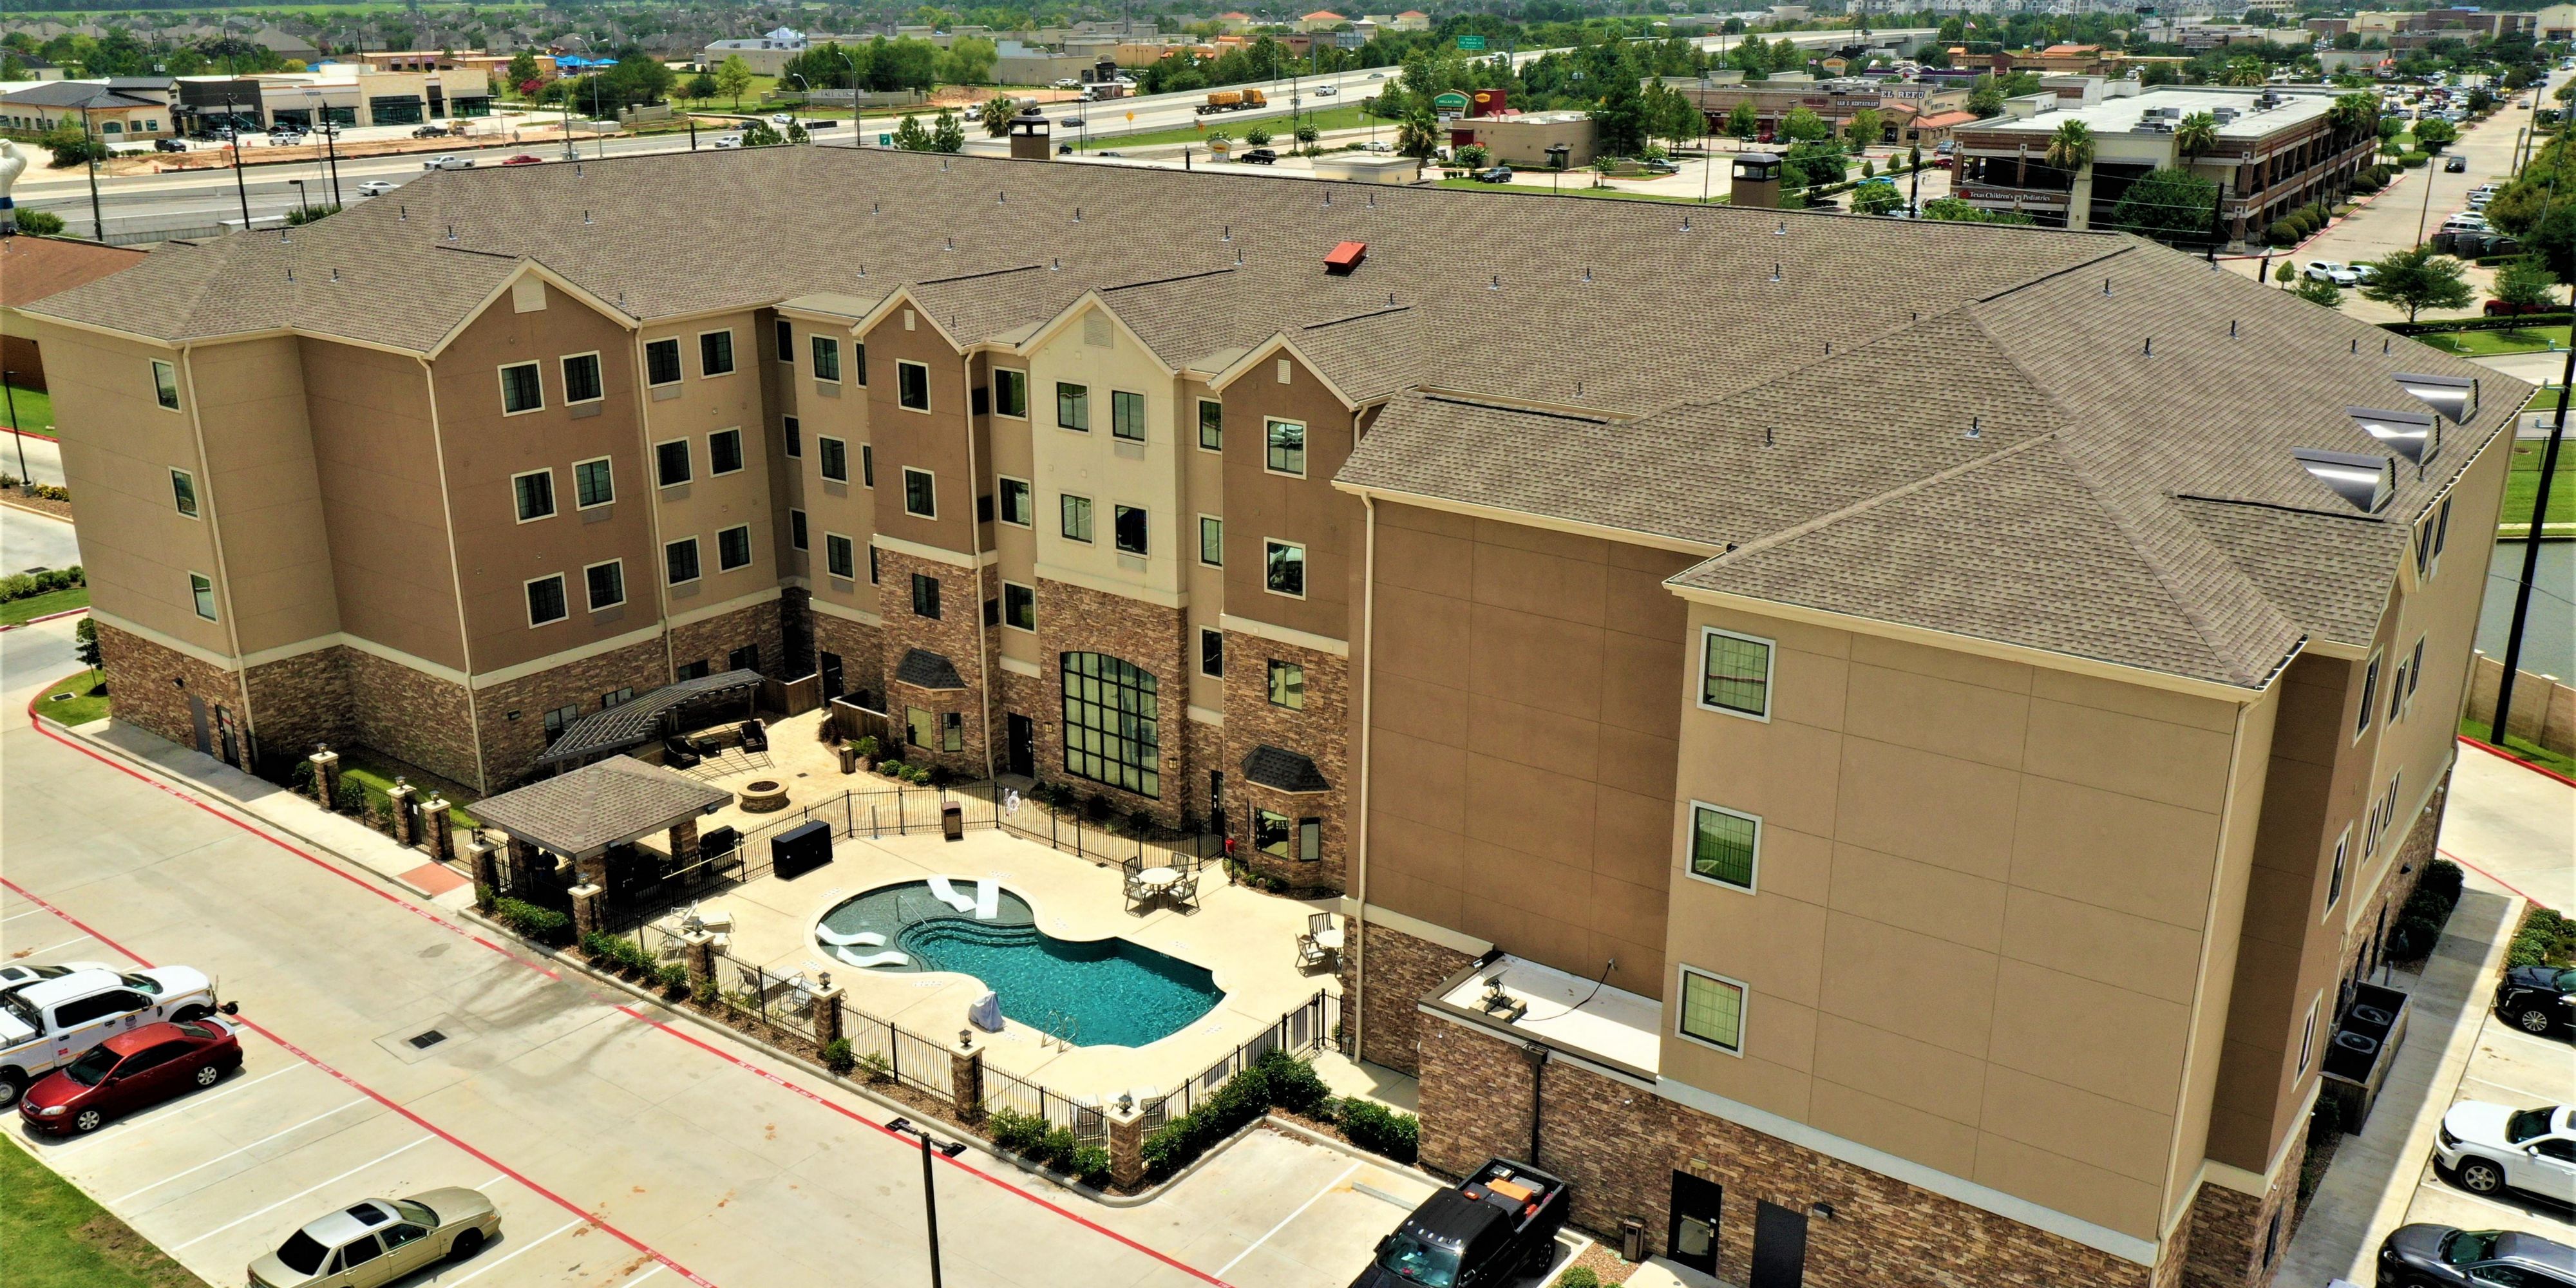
(360, 765)
(83, 705)
(1578, 183)
(58, 1238)
(2524, 480)
(2488, 343)
(2521, 750)
(35, 410)
(15, 611)
(1109, 119)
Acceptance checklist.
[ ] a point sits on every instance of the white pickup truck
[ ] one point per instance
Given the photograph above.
(49, 1022)
(448, 161)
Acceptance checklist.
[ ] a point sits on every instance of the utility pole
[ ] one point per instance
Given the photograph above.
(240, 189)
(331, 144)
(9, 389)
(2531, 556)
(97, 221)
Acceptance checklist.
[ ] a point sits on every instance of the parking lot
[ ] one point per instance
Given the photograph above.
(2507, 1067)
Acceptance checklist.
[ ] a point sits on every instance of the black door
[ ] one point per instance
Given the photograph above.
(1693, 1241)
(1779, 1247)
(197, 717)
(1024, 745)
(831, 669)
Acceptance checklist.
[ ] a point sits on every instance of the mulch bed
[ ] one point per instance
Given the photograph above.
(41, 505)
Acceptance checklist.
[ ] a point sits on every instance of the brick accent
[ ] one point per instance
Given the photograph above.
(510, 747)
(400, 794)
(683, 838)
(1618, 1146)
(966, 1083)
(952, 635)
(714, 640)
(326, 777)
(860, 647)
(441, 841)
(1127, 1147)
(1318, 731)
(412, 716)
(585, 907)
(827, 1015)
(485, 860)
(303, 700)
(1074, 619)
(2172, 1257)
(1401, 969)
(2231, 1231)
(140, 677)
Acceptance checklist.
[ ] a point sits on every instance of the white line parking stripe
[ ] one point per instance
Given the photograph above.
(298, 1194)
(16, 915)
(244, 1149)
(1283, 1223)
(2456, 1192)
(485, 1270)
(65, 944)
(192, 1104)
(657, 1269)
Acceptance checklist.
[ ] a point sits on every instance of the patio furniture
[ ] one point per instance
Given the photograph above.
(941, 890)
(755, 736)
(1322, 941)
(988, 899)
(864, 938)
(886, 958)
(986, 1013)
(1183, 889)
(708, 918)
(717, 842)
(678, 754)
(1138, 891)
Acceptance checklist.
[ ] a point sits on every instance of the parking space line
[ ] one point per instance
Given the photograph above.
(642, 1277)
(16, 915)
(481, 1271)
(1335, 1184)
(2533, 1040)
(33, 952)
(301, 1193)
(2535, 1096)
(2454, 1191)
(243, 1150)
(192, 1104)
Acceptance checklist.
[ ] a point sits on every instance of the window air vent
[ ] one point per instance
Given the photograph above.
(2366, 481)
(2412, 435)
(1345, 257)
(2452, 396)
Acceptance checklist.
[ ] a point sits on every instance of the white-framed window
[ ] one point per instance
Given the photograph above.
(1725, 846)
(165, 384)
(793, 431)
(2335, 875)
(593, 483)
(2397, 693)
(532, 495)
(606, 583)
(1073, 407)
(2308, 1033)
(680, 560)
(832, 456)
(1712, 1009)
(733, 548)
(1010, 393)
(1284, 447)
(183, 492)
(920, 493)
(1127, 415)
(1211, 541)
(523, 389)
(662, 361)
(1212, 652)
(1283, 568)
(1287, 685)
(1017, 508)
(201, 590)
(838, 557)
(546, 599)
(827, 359)
(911, 385)
(1735, 673)
(1076, 516)
(715, 352)
(796, 529)
(671, 462)
(1019, 606)
(1128, 525)
(581, 379)
(2369, 694)
(724, 452)
(1211, 425)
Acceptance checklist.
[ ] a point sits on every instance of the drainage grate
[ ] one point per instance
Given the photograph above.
(425, 1041)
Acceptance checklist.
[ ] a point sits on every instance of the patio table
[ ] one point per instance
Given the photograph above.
(1329, 940)
(1157, 878)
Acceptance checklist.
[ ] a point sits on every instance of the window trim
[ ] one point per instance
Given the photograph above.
(1007, 623)
(173, 403)
(196, 505)
(920, 580)
(1144, 416)
(1305, 442)
(691, 463)
(1117, 540)
(2308, 1035)
(609, 461)
(1028, 497)
(1743, 1008)
(1085, 426)
(620, 565)
(562, 592)
(733, 355)
(924, 369)
(1023, 374)
(1090, 518)
(844, 538)
(909, 512)
(563, 367)
(791, 433)
(815, 340)
(1300, 548)
(823, 458)
(679, 363)
(1203, 405)
(1770, 673)
(697, 566)
(785, 339)
(1219, 521)
(2369, 694)
(1690, 847)
(501, 374)
(553, 505)
(747, 553)
(1270, 683)
(197, 597)
(741, 461)
(2336, 873)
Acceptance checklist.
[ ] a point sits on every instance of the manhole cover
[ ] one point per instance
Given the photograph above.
(58, 697)
(425, 1041)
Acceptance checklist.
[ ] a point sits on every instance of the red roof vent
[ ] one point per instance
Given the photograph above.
(1345, 257)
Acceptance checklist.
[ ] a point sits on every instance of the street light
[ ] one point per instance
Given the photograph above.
(929, 1185)
(97, 222)
(9, 389)
(301, 203)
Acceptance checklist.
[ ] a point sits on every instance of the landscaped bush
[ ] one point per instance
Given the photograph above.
(618, 951)
(544, 925)
(23, 585)
(838, 1057)
(1091, 1164)
(2419, 922)
(2545, 939)
(41, 223)
(46, 491)
(2282, 233)
(891, 768)
(1016, 1132)
(2414, 160)
(1578, 1277)
(867, 747)
(1381, 1130)
(2364, 184)
(674, 979)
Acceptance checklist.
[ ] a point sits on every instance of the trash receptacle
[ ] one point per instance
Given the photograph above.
(849, 759)
(1632, 1240)
(952, 821)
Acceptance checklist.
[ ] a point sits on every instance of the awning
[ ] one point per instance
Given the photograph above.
(923, 669)
(1282, 770)
(635, 723)
(584, 812)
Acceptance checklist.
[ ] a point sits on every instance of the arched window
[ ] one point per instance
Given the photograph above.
(112, 127)
(1111, 732)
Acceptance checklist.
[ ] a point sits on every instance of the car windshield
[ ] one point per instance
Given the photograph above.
(92, 1068)
(144, 984)
(17, 1007)
(416, 1213)
(302, 1254)
(1424, 1263)
(2460, 1247)
(2527, 1124)
(43, 972)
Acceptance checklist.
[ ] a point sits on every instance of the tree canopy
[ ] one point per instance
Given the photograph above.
(2167, 204)
(2418, 279)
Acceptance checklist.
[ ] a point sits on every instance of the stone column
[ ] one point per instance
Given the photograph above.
(698, 949)
(827, 1011)
(585, 909)
(326, 776)
(593, 870)
(486, 863)
(434, 819)
(966, 1083)
(400, 794)
(1127, 1146)
(684, 843)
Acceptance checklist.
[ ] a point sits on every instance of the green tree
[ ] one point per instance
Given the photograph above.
(1307, 134)
(2245, 71)
(1619, 123)
(759, 134)
(969, 61)
(85, 644)
(2433, 134)
(2418, 279)
(702, 87)
(1985, 101)
(1954, 211)
(523, 68)
(2286, 273)
(2071, 147)
(995, 116)
(1745, 124)
(2317, 290)
(2168, 205)
(1802, 125)
(2196, 135)
(1877, 199)
(1865, 128)
(947, 134)
(733, 76)
(2526, 284)
(910, 136)
(12, 68)
(1419, 136)
(1258, 136)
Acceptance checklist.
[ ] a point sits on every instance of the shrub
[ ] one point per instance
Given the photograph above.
(868, 746)
(2364, 184)
(1060, 1147)
(1380, 1130)
(1016, 1132)
(2545, 939)
(1578, 1277)
(1257, 137)
(17, 585)
(42, 223)
(1091, 1164)
(2414, 160)
(2442, 879)
(1139, 822)
(1096, 809)
(875, 1068)
(2282, 233)
(838, 1057)
(1294, 1084)
(618, 951)
(674, 979)
(917, 775)
(544, 925)
(891, 768)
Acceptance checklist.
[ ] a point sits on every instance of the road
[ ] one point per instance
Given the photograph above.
(29, 541)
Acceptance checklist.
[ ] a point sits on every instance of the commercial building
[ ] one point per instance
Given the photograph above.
(767, 54)
(110, 112)
(496, 66)
(1533, 140)
(1891, 780)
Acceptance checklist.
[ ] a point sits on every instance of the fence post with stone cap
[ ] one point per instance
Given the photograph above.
(827, 1011)
(966, 1082)
(698, 948)
(486, 862)
(585, 909)
(1127, 1145)
(400, 794)
(326, 775)
(434, 820)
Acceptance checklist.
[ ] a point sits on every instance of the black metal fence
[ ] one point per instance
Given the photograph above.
(1099, 845)
(1299, 1032)
(1081, 1115)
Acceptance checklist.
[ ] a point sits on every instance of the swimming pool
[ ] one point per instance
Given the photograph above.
(1099, 992)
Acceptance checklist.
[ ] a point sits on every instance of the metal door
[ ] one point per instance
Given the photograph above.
(197, 717)
(1779, 1247)
(831, 669)
(1693, 1222)
(1024, 745)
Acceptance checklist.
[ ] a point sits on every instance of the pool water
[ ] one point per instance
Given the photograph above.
(1104, 992)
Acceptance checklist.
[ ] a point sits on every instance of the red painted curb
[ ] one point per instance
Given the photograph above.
(2501, 754)
(37, 433)
(2526, 897)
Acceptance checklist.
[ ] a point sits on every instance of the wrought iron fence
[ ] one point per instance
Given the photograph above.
(1084, 841)
(1298, 1032)
(1081, 1115)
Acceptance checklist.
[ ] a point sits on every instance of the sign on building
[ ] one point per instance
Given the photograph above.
(1452, 102)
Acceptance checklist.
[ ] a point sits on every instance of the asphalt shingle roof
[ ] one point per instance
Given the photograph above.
(1282, 770)
(598, 805)
(923, 669)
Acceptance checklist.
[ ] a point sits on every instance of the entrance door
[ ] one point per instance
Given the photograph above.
(1693, 1221)
(1779, 1247)
(1024, 745)
(197, 718)
(224, 730)
(831, 668)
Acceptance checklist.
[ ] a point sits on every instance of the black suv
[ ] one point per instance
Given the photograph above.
(1260, 156)
(169, 145)
(2438, 1256)
(2535, 998)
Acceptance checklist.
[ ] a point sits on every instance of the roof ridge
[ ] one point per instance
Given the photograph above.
(1877, 499)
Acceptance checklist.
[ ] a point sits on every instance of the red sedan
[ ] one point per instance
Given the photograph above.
(132, 1071)
(525, 158)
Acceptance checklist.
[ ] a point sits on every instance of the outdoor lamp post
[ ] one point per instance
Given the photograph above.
(301, 202)
(9, 389)
(232, 120)
(89, 148)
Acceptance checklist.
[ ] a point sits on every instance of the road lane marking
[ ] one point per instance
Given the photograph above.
(301, 1193)
(16, 915)
(243, 1150)
(1335, 1184)
(505, 1260)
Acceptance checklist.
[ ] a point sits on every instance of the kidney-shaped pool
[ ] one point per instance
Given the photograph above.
(1090, 992)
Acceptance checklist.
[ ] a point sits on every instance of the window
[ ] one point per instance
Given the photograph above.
(1211, 541)
(837, 557)
(1726, 847)
(1735, 673)
(1127, 415)
(1712, 1010)
(2414, 671)
(1111, 733)
(1016, 507)
(1072, 407)
(546, 600)
(1284, 568)
(873, 574)
(2397, 694)
(1287, 685)
(697, 670)
(867, 465)
(1019, 606)
(522, 390)
(917, 731)
(617, 697)
(1010, 392)
(661, 362)
(165, 383)
(952, 731)
(920, 493)
(581, 378)
(2308, 1033)
(1127, 528)
(858, 363)
(715, 353)
(1270, 833)
(1077, 517)
(1212, 424)
(1287, 446)
(724, 451)
(591, 484)
(606, 583)
(560, 717)
(746, 658)
(2369, 694)
(827, 359)
(2441, 533)
(671, 462)
(912, 385)
(183, 493)
(1310, 840)
(2334, 876)
(786, 341)
(834, 457)
(925, 596)
(201, 588)
(796, 530)
(733, 548)
(680, 560)
(795, 435)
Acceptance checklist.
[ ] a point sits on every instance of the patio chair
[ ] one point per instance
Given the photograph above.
(1318, 922)
(1137, 891)
(941, 890)
(886, 958)
(864, 938)
(678, 754)
(755, 736)
(1184, 888)
(1309, 953)
(988, 899)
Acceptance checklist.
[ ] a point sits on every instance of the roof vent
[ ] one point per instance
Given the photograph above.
(1345, 257)
(1077, 214)
(2412, 435)
(2452, 396)
(2365, 481)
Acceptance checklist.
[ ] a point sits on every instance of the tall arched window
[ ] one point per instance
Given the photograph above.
(1111, 733)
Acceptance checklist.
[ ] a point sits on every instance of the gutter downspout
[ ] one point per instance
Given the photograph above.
(455, 576)
(653, 504)
(223, 567)
(1538, 1057)
(975, 552)
(1359, 834)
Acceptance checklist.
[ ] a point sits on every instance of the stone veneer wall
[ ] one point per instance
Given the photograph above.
(714, 640)
(1400, 970)
(1318, 731)
(139, 674)
(1618, 1145)
(1205, 747)
(860, 647)
(952, 635)
(303, 700)
(2229, 1229)
(2174, 1257)
(510, 746)
(1073, 619)
(412, 716)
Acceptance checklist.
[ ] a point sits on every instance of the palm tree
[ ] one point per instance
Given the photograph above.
(2071, 148)
(2353, 116)
(2197, 135)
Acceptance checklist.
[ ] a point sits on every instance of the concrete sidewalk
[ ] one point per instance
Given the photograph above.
(2515, 824)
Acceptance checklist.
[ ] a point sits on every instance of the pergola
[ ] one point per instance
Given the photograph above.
(651, 716)
(585, 813)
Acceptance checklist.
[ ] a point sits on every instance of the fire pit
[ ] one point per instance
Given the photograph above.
(760, 796)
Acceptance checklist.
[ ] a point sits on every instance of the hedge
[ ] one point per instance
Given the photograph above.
(544, 925)
(1282, 1080)
(24, 585)
(2515, 323)
(2419, 922)
(2545, 939)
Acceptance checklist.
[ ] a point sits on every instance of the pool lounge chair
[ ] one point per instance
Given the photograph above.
(887, 958)
(947, 894)
(988, 899)
(864, 938)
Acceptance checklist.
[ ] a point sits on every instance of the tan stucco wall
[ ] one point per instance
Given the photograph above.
(710, 502)
(260, 457)
(1110, 471)
(848, 508)
(373, 450)
(1262, 505)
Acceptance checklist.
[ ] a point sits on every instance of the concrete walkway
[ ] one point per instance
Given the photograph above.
(2514, 824)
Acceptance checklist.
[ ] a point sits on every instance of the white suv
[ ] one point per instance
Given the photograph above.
(2489, 1147)
(51, 1022)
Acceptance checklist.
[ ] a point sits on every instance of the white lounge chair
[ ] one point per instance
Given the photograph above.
(947, 894)
(988, 899)
(864, 938)
(887, 958)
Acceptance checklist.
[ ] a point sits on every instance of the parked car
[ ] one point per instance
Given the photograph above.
(49, 1023)
(2489, 1147)
(130, 1071)
(1500, 1222)
(1259, 156)
(380, 1241)
(448, 161)
(524, 158)
(2456, 165)
(430, 132)
(2438, 1256)
(1658, 165)
(2536, 998)
(782, 118)
(17, 973)
(2500, 309)
(376, 188)
(1380, 146)
(2327, 270)
(1493, 174)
